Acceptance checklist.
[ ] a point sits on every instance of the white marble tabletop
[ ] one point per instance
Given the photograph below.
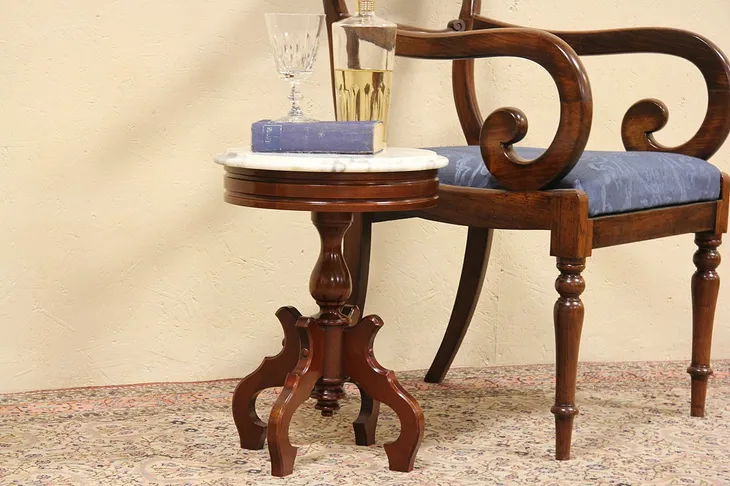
(392, 159)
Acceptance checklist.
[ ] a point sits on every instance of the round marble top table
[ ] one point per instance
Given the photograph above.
(321, 352)
(396, 179)
(392, 159)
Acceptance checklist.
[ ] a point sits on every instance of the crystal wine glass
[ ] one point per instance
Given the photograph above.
(294, 41)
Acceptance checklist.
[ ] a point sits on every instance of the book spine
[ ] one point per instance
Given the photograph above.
(318, 137)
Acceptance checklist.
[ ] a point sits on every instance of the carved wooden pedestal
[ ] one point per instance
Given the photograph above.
(323, 351)
(313, 351)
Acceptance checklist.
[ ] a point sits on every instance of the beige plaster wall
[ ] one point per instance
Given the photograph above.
(119, 262)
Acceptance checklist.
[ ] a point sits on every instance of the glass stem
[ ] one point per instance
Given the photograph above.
(295, 96)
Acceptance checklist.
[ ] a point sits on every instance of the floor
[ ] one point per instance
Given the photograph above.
(483, 426)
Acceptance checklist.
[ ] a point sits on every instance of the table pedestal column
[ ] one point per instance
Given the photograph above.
(329, 348)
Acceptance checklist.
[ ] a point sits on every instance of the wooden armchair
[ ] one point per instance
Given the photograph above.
(650, 191)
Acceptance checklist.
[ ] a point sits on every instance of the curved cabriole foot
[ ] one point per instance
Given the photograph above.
(705, 288)
(568, 314)
(367, 421)
(271, 373)
(382, 385)
(297, 387)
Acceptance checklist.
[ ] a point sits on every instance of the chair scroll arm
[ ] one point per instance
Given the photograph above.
(650, 115)
(507, 126)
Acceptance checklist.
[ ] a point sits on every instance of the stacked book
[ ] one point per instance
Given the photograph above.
(321, 137)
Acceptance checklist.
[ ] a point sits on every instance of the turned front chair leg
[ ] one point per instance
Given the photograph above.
(568, 316)
(271, 373)
(705, 287)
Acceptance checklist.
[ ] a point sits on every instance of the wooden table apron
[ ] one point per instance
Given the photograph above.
(323, 351)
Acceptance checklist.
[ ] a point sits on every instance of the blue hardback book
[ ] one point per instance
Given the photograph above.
(340, 137)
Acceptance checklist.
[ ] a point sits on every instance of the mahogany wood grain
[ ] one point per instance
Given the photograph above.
(357, 253)
(721, 215)
(322, 338)
(649, 115)
(330, 283)
(463, 85)
(705, 288)
(329, 349)
(619, 229)
(382, 386)
(335, 10)
(271, 373)
(568, 315)
(468, 206)
(330, 286)
(469, 8)
(465, 99)
(573, 233)
(367, 420)
(476, 259)
(331, 191)
(326, 339)
(507, 126)
(297, 387)
(357, 256)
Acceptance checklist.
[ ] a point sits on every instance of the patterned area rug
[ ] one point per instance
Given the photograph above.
(483, 426)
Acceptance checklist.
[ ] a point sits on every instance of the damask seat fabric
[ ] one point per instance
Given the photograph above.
(615, 182)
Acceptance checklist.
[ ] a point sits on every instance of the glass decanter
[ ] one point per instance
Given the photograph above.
(364, 55)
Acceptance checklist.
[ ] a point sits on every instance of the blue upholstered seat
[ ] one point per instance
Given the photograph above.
(615, 182)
